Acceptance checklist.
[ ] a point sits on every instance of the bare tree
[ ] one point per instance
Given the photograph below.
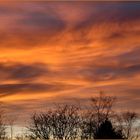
(61, 123)
(41, 126)
(101, 109)
(87, 126)
(128, 123)
(2, 129)
(66, 122)
(2, 125)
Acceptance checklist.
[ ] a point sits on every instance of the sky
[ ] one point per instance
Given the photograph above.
(66, 52)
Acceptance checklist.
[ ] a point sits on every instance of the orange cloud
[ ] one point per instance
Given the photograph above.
(54, 52)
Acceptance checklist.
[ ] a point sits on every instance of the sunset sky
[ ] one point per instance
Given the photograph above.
(63, 52)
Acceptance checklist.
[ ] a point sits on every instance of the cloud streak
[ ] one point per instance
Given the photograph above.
(62, 51)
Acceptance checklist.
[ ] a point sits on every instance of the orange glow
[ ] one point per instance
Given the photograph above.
(58, 52)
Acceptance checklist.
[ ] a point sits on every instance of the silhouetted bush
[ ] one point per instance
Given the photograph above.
(106, 131)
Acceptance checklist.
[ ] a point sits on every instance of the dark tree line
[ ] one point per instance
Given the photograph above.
(62, 123)
(69, 122)
(2, 125)
(2, 129)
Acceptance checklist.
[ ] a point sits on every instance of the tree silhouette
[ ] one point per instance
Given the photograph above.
(69, 122)
(65, 122)
(102, 107)
(88, 126)
(106, 131)
(2, 129)
(40, 126)
(101, 110)
(2, 125)
(128, 123)
(61, 123)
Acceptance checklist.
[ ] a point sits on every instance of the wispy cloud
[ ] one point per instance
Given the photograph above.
(62, 51)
